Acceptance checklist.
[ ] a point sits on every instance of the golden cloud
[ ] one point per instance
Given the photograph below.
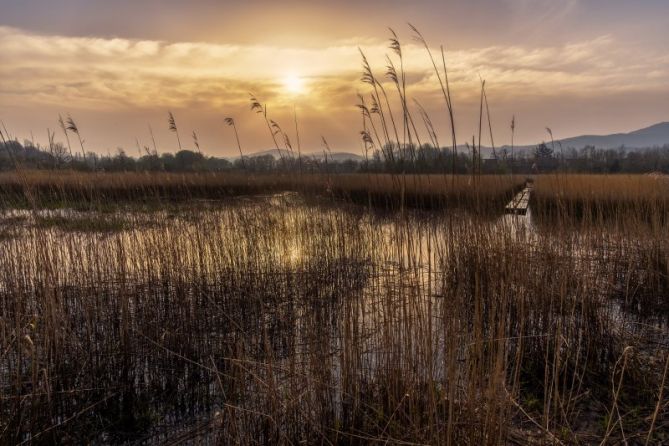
(104, 74)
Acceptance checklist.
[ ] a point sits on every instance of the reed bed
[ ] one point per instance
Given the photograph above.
(602, 199)
(379, 190)
(280, 322)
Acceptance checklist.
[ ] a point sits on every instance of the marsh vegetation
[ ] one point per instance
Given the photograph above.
(280, 319)
(319, 308)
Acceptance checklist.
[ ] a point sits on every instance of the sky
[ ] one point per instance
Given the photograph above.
(118, 68)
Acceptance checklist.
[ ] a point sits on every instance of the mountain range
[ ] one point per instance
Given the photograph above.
(654, 136)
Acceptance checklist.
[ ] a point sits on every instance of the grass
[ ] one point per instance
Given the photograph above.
(322, 321)
(379, 190)
(268, 323)
(602, 199)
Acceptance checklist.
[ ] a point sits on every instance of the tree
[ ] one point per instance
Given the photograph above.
(188, 160)
(542, 151)
(60, 153)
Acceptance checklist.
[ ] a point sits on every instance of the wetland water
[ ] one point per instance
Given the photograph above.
(276, 316)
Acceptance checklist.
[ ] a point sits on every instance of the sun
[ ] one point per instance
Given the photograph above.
(293, 84)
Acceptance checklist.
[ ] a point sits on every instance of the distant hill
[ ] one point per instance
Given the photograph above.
(336, 156)
(654, 136)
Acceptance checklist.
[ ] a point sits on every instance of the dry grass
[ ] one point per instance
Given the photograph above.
(73, 188)
(602, 199)
(279, 322)
(282, 322)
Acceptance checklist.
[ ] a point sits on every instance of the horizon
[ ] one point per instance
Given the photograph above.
(584, 67)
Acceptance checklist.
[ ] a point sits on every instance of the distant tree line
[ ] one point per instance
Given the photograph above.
(407, 159)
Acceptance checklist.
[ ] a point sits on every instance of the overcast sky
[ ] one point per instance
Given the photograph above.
(577, 66)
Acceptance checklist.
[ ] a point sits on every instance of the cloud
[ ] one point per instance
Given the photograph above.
(107, 74)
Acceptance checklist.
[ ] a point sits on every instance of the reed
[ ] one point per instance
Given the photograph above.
(601, 199)
(64, 188)
(71, 126)
(280, 321)
(172, 125)
(216, 308)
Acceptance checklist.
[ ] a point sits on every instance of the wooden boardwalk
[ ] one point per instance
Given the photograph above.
(520, 202)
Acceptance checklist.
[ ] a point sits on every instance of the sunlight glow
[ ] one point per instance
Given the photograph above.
(293, 84)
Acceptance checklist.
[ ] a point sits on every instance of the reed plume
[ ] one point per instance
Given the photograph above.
(172, 125)
(231, 123)
(61, 123)
(196, 142)
(72, 127)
